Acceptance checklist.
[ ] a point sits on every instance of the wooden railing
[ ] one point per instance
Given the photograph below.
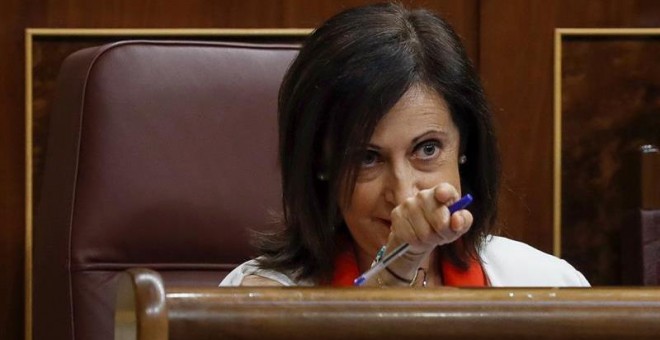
(147, 311)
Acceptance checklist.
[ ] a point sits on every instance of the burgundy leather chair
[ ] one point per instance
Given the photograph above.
(641, 233)
(649, 214)
(161, 155)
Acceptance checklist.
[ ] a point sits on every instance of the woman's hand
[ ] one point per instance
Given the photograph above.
(424, 222)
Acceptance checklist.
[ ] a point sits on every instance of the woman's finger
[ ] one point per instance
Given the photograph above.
(461, 221)
(412, 226)
(446, 194)
(422, 226)
(430, 208)
(402, 228)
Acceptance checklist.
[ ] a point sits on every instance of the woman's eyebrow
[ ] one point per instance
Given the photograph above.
(429, 132)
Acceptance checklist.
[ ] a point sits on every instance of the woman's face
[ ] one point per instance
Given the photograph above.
(415, 146)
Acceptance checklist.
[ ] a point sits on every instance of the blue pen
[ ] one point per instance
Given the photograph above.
(402, 249)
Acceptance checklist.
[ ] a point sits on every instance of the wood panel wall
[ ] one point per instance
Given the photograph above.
(510, 41)
(516, 44)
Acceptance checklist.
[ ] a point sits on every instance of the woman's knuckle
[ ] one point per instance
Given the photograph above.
(410, 202)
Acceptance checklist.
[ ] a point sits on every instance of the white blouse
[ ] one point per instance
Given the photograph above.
(506, 263)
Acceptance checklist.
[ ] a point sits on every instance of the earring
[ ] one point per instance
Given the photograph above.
(322, 176)
(462, 159)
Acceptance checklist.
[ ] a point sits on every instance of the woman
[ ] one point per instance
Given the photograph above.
(383, 124)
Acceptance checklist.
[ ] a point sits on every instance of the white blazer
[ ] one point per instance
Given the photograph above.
(506, 263)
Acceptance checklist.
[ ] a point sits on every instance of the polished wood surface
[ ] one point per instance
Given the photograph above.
(516, 48)
(327, 313)
(605, 116)
(141, 309)
(12, 180)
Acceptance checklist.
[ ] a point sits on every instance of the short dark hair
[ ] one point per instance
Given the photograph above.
(349, 73)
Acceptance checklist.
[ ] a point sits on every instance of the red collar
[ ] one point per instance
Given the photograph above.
(346, 270)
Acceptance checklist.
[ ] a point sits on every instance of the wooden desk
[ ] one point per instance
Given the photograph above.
(146, 310)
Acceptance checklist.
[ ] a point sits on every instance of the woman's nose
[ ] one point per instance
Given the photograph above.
(401, 184)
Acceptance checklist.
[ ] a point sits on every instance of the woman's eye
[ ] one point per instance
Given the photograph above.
(427, 150)
(370, 159)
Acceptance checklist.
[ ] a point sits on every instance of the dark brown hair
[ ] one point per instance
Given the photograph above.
(350, 72)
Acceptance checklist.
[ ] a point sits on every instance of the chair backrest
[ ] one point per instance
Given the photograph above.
(641, 234)
(650, 214)
(160, 155)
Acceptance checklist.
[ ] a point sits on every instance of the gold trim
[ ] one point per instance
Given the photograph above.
(607, 31)
(34, 33)
(28, 185)
(121, 32)
(559, 34)
(556, 233)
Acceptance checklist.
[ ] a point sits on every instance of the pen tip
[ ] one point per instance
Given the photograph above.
(359, 281)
